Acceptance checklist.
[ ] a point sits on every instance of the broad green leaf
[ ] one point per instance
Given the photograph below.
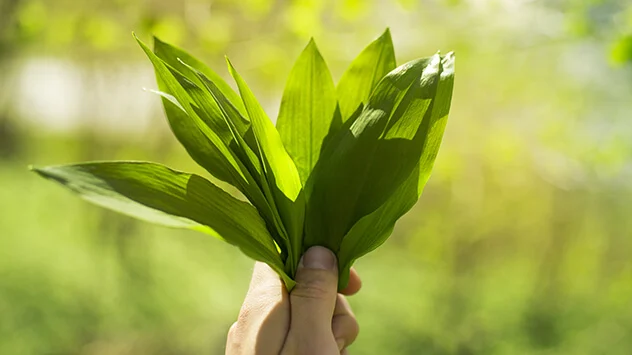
(232, 128)
(280, 171)
(174, 56)
(205, 106)
(307, 109)
(345, 164)
(268, 206)
(271, 147)
(206, 109)
(364, 165)
(204, 145)
(195, 141)
(372, 230)
(155, 193)
(178, 116)
(366, 70)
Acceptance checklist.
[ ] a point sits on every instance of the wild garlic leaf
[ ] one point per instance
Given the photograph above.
(191, 138)
(366, 70)
(205, 107)
(155, 193)
(372, 230)
(280, 170)
(346, 163)
(266, 203)
(364, 165)
(228, 117)
(175, 56)
(307, 109)
(203, 144)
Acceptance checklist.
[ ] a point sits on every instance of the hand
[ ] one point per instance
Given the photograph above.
(312, 320)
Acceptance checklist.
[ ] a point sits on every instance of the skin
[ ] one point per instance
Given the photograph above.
(314, 319)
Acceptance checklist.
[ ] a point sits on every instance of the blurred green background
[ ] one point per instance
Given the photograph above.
(521, 243)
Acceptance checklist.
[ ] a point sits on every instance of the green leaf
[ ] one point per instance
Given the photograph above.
(373, 229)
(174, 56)
(249, 187)
(155, 193)
(307, 109)
(263, 197)
(203, 144)
(366, 70)
(345, 164)
(206, 107)
(280, 171)
(221, 116)
(208, 111)
(364, 165)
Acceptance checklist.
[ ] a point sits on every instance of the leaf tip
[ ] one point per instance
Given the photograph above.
(39, 171)
(311, 45)
(231, 68)
(448, 62)
(140, 42)
(191, 68)
(447, 56)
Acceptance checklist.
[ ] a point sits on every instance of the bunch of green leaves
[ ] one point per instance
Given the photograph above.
(343, 164)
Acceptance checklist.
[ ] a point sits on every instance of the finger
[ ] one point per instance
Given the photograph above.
(344, 324)
(265, 303)
(266, 291)
(354, 284)
(265, 283)
(313, 299)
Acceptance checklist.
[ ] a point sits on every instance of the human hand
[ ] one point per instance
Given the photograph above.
(311, 320)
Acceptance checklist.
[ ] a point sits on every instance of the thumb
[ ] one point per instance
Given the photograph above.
(313, 299)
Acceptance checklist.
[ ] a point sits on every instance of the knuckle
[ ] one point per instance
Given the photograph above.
(316, 285)
(311, 290)
(354, 328)
(232, 330)
(296, 345)
(244, 315)
(232, 340)
(345, 327)
(250, 310)
(258, 306)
